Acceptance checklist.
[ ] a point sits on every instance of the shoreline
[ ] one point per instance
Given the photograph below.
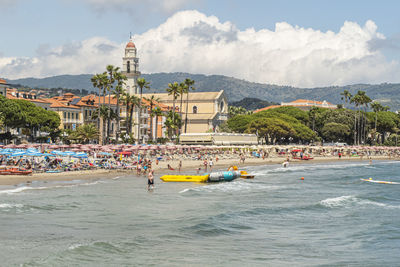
(188, 166)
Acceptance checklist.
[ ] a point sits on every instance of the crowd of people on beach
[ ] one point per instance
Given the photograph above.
(142, 161)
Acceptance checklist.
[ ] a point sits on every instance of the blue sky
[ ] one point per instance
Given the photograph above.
(31, 28)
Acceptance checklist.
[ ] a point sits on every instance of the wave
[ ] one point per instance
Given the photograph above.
(10, 206)
(26, 188)
(308, 167)
(235, 186)
(19, 190)
(350, 201)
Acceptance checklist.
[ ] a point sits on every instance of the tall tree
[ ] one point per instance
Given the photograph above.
(99, 81)
(152, 102)
(189, 83)
(173, 89)
(157, 112)
(183, 88)
(346, 96)
(142, 83)
(118, 91)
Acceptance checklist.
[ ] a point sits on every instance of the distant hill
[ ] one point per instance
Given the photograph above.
(250, 103)
(235, 89)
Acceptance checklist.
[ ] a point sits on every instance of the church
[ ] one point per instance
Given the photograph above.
(206, 110)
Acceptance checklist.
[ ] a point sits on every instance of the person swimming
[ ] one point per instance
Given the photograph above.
(285, 164)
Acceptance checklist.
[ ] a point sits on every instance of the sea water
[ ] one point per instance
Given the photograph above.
(329, 218)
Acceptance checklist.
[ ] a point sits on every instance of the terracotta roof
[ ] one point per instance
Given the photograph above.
(3, 81)
(130, 44)
(266, 108)
(310, 101)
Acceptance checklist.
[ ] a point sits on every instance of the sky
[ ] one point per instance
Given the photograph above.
(305, 43)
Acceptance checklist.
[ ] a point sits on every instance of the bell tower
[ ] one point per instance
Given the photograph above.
(130, 67)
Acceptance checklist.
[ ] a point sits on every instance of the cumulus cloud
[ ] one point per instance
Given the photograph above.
(89, 56)
(190, 41)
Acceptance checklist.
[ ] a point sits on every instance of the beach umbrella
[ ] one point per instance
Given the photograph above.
(18, 154)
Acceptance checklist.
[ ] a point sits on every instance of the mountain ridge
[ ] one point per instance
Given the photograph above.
(235, 89)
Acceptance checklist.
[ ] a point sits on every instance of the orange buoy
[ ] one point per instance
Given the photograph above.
(302, 178)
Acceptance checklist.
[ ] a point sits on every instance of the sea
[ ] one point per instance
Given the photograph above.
(329, 218)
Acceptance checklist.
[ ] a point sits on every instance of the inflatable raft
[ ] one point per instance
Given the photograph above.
(185, 178)
(212, 177)
(245, 175)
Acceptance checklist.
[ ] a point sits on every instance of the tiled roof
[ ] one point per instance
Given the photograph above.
(266, 108)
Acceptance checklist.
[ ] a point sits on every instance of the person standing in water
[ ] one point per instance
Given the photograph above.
(150, 180)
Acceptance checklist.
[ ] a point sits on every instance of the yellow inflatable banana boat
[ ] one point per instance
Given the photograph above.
(185, 178)
(245, 175)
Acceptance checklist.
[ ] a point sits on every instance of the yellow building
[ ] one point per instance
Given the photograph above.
(206, 110)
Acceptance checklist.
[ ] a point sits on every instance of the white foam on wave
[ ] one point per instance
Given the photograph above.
(235, 186)
(347, 201)
(26, 188)
(306, 167)
(10, 206)
(19, 190)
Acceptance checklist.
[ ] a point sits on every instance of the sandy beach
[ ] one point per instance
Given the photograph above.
(188, 166)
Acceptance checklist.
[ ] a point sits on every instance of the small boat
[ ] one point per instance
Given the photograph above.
(185, 178)
(15, 171)
(378, 182)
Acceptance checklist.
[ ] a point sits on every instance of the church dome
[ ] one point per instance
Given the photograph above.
(130, 44)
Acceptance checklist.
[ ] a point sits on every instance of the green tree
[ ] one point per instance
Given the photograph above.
(142, 83)
(189, 83)
(271, 129)
(333, 131)
(157, 112)
(152, 102)
(239, 123)
(173, 89)
(87, 133)
(173, 122)
(118, 91)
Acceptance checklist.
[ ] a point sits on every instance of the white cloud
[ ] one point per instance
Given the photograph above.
(190, 41)
(89, 56)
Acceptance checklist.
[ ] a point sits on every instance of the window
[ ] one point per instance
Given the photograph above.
(86, 113)
(65, 115)
(128, 67)
(221, 106)
(69, 115)
(195, 110)
(77, 116)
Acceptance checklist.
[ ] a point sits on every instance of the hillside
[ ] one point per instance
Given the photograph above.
(235, 89)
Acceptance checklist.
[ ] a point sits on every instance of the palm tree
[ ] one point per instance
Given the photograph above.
(173, 89)
(189, 83)
(100, 81)
(130, 102)
(346, 96)
(87, 132)
(156, 112)
(142, 83)
(153, 101)
(183, 88)
(356, 101)
(120, 79)
(172, 122)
